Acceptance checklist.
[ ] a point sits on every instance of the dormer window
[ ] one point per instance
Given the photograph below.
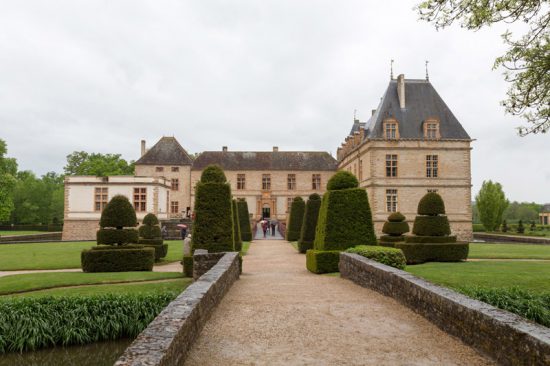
(431, 130)
(391, 130)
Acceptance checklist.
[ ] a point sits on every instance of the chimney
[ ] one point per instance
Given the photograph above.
(373, 112)
(275, 148)
(224, 148)
(143, 149)
(401, 90)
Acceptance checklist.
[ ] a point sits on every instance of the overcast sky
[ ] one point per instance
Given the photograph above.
(99, 76)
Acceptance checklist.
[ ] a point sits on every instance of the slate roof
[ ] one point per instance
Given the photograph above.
(546, 208)
(356, 125)
(167, 151)
(267, 160)
(421, 101)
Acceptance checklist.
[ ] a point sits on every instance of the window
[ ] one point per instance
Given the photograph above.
(174, 207)
(100, 198)
(291, 182)
(241, 181)
(175, 184)
(391, 200)
(140, 199)
(175, 169)
(159, 169)
(289, 204)
(391, 165)
(316, 181)
(266, 182)
(431, 131)
(360, 170)
(391, 130)
(432, 190)
(431, 166)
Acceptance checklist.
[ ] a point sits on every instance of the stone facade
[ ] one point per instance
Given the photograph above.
(506, 337)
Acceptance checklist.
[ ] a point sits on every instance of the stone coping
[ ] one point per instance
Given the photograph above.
(499, 238)
(507, 338)
(167, 340)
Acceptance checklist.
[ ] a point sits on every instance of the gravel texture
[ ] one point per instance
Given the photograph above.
(279, 313)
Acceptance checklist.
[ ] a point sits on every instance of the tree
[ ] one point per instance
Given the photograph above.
(491, 203)
(102, 165)
(8, 170)
(526, 63)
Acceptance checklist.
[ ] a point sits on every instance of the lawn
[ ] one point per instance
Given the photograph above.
(509, 251)
(14, 232)
(533, 275)
(246, 246)
(175, 285)
(35, 281)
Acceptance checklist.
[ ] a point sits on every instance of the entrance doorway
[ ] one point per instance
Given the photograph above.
(266, 211)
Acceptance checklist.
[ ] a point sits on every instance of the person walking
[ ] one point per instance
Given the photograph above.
(164, 232)
(273, 224)
(264, 227)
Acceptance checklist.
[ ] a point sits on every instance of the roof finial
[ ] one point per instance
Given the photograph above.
(354, 115)
(427, 76)
(391, 70)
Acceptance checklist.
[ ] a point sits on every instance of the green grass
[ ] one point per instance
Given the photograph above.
(175, 285)
(35, 281)
(21, 232)
(532, 276)
(246, 246)
(294, 244)
(509, 251)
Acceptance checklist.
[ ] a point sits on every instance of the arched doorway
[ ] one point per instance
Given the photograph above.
(266, 210)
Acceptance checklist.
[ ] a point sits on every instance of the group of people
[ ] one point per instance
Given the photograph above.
(267, 224)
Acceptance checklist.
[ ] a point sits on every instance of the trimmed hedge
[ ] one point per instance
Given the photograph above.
(342, 180)
(444, 252)
(151, 236)
(118, 213)
(213, 225)
(430, 239)
(391, 238)
(388, 256)
(150, 220)
(322, 261)
(396, 217)
(431, 226)
(116, 236)
(395, 228)
(188, 266)
(149, 232)
(345, 220)
(296, 217)
(117, 260)
(244, 220)
(431, 204)
(309, 223)
(237, 241)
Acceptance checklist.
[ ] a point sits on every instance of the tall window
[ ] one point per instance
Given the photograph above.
(241, 181)
(432, 165)
(360, 170)
(174, 207)
(175, 184)
(175, 169)
(266, 182)
(288, 203)
(391, 200)
(291, 182)
(100, 198)
(431, 130)
(316, 181)
(140, 199)
(391, 130)
(391, 165)
(159, 169)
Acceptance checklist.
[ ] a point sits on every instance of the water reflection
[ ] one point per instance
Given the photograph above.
(95, 354)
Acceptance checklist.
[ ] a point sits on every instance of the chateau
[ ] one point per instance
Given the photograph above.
(411, 144)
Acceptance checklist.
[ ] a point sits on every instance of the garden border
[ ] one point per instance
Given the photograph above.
(515, 239)
(167, 340)
(503, 336)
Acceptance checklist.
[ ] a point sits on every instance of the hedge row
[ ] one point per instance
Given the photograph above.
(237, 240)
(116, 236)
(113, 259)
(322, 261)
(446, 252)
(31, 323)
(296, 217)
(430, 239)
(244, 220)
(309, 223)
(388, 256)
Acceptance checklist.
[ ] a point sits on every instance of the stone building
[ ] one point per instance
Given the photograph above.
(544, 215)
(412, 144)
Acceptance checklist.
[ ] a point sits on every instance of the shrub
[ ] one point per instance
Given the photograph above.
(431, 226)
(520, 228)
(385, 239)
(397, 217)
(29, 323)
(118, 213)
(296, 216)
(117, 260)
(395, 227)
(431, 204)
(150, 220)
(342, 180)
(388, 256)
(431, 239)
(188, 266)
(325, 261)
(116, 236)
(309, 223)
(237, 241)
(477, 228)
(213, 225)
(244, 220)
(150, 235)
(424, 252)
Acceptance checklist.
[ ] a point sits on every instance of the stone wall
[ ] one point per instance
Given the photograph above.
(497, 238)
(204, 261)
(45, 237)
(506, 337)
(80, 229)
(167, 340)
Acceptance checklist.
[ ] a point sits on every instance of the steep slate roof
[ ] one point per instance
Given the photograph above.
(167, 151)
(356, 125)
(421, 102)
(266, 160)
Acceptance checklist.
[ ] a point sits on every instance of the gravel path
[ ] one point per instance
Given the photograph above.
(280, 314)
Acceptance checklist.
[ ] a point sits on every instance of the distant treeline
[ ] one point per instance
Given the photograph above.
(525, 211)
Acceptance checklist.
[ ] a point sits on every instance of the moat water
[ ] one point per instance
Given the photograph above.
(95, 354)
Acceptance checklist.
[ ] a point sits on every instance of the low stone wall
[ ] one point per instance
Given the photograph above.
(506, 337)
(203, 261)
(55, 236)
(167, 340)
(497, 238)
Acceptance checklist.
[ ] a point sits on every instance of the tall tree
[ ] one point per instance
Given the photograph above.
(8, 170)
(491, 203)
(83, 163)
(526, 63)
